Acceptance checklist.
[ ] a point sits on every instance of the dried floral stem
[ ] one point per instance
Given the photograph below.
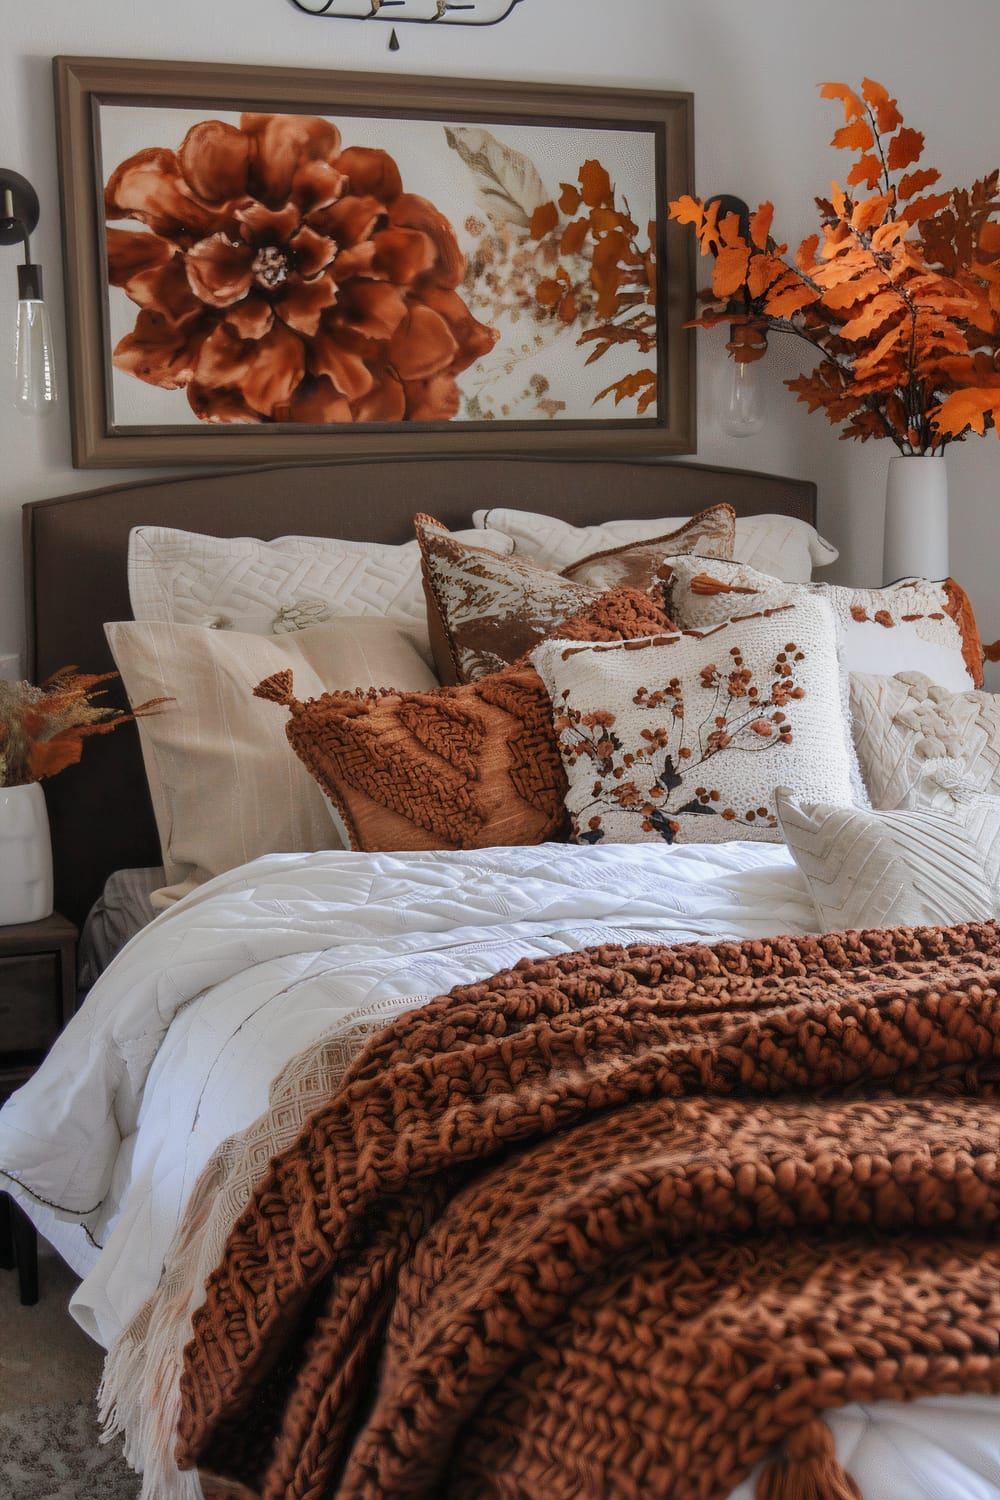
(42, 728)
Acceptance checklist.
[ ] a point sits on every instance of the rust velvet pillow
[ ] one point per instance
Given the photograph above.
(464, 767)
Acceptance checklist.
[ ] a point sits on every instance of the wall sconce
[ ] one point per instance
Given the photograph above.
(34, 366)
(742, 409)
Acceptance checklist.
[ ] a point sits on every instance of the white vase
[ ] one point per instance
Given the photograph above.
(25, 855)
(916, 518)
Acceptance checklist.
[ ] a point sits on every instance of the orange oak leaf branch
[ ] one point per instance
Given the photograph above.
(898, 293)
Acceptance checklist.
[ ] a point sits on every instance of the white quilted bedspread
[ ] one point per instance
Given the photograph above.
(176, 1046)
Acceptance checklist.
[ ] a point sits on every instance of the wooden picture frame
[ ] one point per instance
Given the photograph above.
(254, 289)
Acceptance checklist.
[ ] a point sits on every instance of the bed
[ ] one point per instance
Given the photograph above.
(215, 1034)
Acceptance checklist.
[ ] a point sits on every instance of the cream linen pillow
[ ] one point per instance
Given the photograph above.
(271, 588)
(902, 722)
(224, 784)
(916, 625)
(783, 546)
(928, 866)
(684, 737)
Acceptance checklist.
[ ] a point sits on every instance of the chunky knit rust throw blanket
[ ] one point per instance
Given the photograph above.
(621, 1224)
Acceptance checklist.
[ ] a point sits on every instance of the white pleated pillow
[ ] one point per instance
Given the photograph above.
(933, 865)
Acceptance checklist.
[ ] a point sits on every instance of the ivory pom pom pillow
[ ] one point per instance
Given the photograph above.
(684, 737)
(913, 626)
(901, 723)
(783, 546)
(485, 612)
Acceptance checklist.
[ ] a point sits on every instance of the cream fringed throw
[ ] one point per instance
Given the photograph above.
(621, 1223)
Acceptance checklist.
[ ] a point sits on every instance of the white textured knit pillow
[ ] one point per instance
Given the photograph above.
(684, 737)
(783, 546)
(271, 588)
(913, 626)
(902, 722)
(928, 866)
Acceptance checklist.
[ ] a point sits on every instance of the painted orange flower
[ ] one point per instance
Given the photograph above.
(281, 278)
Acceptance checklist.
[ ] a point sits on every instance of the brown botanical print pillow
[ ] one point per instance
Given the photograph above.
(465, 767)
(640, 565)
(684, 737)
(916, 625)
(485, 612)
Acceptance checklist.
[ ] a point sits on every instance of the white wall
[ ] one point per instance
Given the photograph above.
(761, 131)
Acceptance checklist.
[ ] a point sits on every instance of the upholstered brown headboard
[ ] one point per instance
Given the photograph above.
(75, 565)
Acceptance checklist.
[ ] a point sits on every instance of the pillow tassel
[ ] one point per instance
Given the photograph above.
(277, 689)
(704, 583)
(807, 1469)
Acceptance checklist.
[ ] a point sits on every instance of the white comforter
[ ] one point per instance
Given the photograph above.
(177, 1044)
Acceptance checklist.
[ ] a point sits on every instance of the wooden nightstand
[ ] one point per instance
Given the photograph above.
(37, 998)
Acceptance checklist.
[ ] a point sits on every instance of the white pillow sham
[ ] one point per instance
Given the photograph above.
(273, 588)
(783, 546)
(224, 783)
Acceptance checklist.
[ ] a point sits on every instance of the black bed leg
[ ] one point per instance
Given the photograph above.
(19, 1247)
(6, 1235)
(26, 1253)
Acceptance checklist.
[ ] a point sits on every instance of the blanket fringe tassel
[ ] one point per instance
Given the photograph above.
(807, 1469)
(139, 1402)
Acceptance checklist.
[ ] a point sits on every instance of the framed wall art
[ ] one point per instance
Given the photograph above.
(266, 264)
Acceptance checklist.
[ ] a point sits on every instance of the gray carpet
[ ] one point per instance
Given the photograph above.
(49, 1373)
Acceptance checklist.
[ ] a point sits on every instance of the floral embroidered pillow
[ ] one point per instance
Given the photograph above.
(485, 612)
(913, 626)
(684, 737)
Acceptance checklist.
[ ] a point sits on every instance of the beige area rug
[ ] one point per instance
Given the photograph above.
(49, 1373)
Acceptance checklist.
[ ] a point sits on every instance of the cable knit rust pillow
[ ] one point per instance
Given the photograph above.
(463, 767)
(485, 612)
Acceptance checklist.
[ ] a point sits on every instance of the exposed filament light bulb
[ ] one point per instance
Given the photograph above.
(35, 391)
(743, 411)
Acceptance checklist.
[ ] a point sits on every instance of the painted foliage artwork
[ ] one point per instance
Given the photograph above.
(334, 270)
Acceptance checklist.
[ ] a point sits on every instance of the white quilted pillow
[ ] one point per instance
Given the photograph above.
(783, 546)
(271, 588)
(903, 722)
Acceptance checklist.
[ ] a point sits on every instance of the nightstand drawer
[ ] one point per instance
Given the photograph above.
(30, 1010)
